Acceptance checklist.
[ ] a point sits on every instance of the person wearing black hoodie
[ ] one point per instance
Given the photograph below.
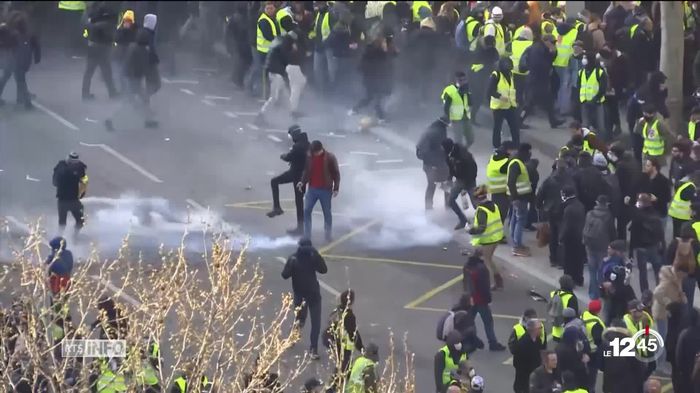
(463, 169)
(572, 359)
(571, 234)
(429, 150)
(24, 48)
(549, 203)
(526, 354)
(646, 238)
(620, 374)
(296, 157)
(628, 173)
(538, 59)
(302, 267)
(502, 101)
(100, 33)
(283, 51)
(377, 71)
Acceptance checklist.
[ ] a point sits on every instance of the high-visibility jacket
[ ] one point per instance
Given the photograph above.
(680, 209)
(518, 47)
(635, 327)
(591, 320)
(696, 228)
(262, 44)
(547, 22)
(579, 390)
(356, 383)
(579, 25)
(325, 26)
(589, 86)
(653, 140)
(522, 184)
(71, 5)
(469, 26)
(688, 17)
(415, 9)
(147, 375)
(496, 182)
(450, 365)
(506, 88)
(499, 35)
(281, 14)
(494, 227)
(520, 331)
(586, 143)
(633, 30)
(691, 130)
(565, 48)
(558, 331)
(182, 384)
(108, 382)
(459, 104)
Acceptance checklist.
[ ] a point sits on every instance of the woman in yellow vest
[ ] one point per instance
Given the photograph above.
(487, 231)
(455, 99)
(503, 102)
(680, 209)
(447, 360)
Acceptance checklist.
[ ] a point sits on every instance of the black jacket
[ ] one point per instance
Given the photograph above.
(296, 157)
(549, 194)
(526, 354)
(66, 177)
(101, 31)
(125, 36)
(620, 374)
(686, 349)
(376, 68)
(429, 148)
(543, 382)
(572, 221)
(646, 228)
(462, 165)
(302, 267)
(279, 56)
(538, 60)
(569, 359)
(629, 174)
(589, 185)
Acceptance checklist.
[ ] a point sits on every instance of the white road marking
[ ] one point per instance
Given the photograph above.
(276, 130)
(332, 135)
(231, 115)
(207, 102)
(274, 138)
(394, 138)
(187, 91)
(217, 98)
(2, 170)
(56, 116)
(388, 161)
(31, 178)
(125, 160)
(181, 81)
(364, 153)
(89, 120)
(200, 69)
(252, 126)
(322, 283)
(117, 291)
(246, 113)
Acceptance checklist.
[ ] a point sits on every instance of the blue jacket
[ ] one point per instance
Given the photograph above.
(60, 260)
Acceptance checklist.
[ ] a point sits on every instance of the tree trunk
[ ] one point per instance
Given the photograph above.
(671, 61)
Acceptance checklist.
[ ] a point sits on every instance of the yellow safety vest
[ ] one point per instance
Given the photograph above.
(108, 382)
(147, 375)
(635, 327)
(558, 331)
(506, 88)
(262, 44)
(518, 47)
(356, 384)
(633, 29)
(548, 22)
(450, 365)
(565, 48)
(522, 184)
(459, 103)
(181, 383)
(586, 145)
(325, 26)
(589, 85)
(691, 130)
(494, 227)
(469, 27)
(579, 390)
(496, 182)
(499, 35)
(341, 333)
(281, 14)
(71, 5)
(580, 26)
(653, 141)
(696, 228)
(57, 332)
(679, 208)
(591, 320)
(520, 331)
(415, 8)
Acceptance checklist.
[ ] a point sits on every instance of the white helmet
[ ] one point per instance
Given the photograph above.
(477, 384)
(497, 13)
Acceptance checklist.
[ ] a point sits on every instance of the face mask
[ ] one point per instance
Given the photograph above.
(584, 61)
(458, 346)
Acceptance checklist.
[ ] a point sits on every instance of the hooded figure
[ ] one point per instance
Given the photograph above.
(429, 150)
(571, 233)
(447, 360)
(570, 354)
(686, 352)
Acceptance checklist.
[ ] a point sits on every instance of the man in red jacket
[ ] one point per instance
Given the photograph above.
(323, 178)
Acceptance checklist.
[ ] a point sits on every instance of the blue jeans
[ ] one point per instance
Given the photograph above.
(563, 99)
(314, 195)
(650, 255)
(253, 80)
(595, 257)
(487, 318)
(518, 220)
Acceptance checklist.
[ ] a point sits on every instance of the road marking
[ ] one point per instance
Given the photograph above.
(274, 138)
(31, 178)
(276, 130)
(322, 283)
(332, 135)
(393, 261)
(252, 126)
(56, 116)
(125, 160)
(347, 236)
(195, 204)
(388, 161)
(118, 292)
(364, 153)
(181, 81)
(207, 102)
(343, 164)
(255, 207)
(89, 120)
(231, 115)
(426, 296)
(246, 113)
(201, 69)
(187, 91)
(217, 98)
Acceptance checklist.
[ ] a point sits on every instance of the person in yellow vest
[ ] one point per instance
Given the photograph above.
(548, 25)
(363, 375)
(325, 63)
(526, 354)
(637, 319)
(594, 332)
(690, 17)
(472, 26)
(487, 232)
(455, 99)
(693, 129)
(520, 328)
(566, 299)
(344, 335)
(503, 102)
(591, 141)
(680, 209)
(447, 360)
(111, 378)
(285, 19)
(562, 65)
(497, 176)
(419, 11)
(654, 132)
(266, 31)
(147, 374)
(570, 383)
(519, 189)
(495, 28)
(592, 84)
(181, 383)
(516, 48)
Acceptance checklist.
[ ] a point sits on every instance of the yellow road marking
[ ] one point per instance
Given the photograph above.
(395, 261)
(347, 236)
(426, 296)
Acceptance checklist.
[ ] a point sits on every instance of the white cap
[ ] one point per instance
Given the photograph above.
(497, 11)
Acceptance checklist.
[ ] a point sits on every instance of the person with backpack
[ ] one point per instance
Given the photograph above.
(560, 299)
(614, 276)
(683, 253)
(459, 318)
(646, 239)
(598, 232)
(342, 336)
(476, 281)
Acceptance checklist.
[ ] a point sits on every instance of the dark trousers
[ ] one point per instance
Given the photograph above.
(456, 189)
(484, 310)
(288, 177)
(76, 210)
(241, 63)
(622, 220)
(510, 116)
(520, 91)
(539, 94)
(98, 56)
(573, 255)
(677, 225)
(521, 384)
(371, 95)
(554, 241)
(21, 82)
(612, 115)
(501, 200)
(312, 305)
(432, 177)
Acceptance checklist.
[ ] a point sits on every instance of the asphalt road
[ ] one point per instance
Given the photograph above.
(208, 154)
